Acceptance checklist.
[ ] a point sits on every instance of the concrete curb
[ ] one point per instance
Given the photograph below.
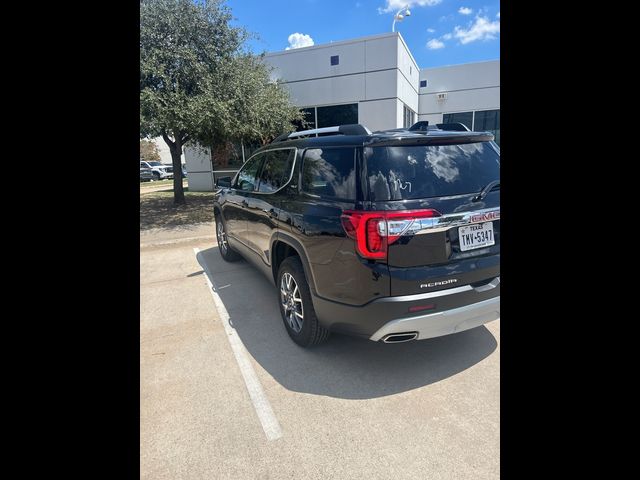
(173, 241)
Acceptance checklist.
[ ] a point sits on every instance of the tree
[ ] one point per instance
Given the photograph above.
(149, 151)
(199, 84)
(264, 111)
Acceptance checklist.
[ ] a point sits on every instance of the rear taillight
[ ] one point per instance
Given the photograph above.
(375, 231)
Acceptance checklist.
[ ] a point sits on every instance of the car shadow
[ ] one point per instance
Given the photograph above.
(344, 367)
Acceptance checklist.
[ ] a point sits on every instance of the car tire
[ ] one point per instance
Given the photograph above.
(227, 253)
(156, 177)
(310, 332)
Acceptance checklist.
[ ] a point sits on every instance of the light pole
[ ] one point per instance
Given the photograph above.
(398, 17)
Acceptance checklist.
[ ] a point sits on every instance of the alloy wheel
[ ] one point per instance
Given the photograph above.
(222, 237)
(291, 302)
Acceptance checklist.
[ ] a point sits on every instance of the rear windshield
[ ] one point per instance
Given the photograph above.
(407, 172)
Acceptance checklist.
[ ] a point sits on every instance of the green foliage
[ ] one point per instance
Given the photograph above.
(149, 151)
(198, 82)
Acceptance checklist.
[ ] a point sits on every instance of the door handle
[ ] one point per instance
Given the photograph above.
(273, 213)
(245, 204)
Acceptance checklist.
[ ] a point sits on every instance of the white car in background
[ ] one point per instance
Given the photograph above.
(159, 170)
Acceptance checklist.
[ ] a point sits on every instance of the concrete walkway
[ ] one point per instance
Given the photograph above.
(185, 234)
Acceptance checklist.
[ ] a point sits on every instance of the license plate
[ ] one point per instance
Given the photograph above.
(476, 236)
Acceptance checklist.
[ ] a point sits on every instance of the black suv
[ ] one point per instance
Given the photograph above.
(392, 235)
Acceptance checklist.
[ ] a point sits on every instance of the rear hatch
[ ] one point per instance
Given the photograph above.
(435, 230)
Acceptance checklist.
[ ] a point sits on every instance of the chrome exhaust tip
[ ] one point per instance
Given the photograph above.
(400, 337)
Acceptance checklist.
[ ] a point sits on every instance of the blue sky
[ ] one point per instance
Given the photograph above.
(438, 32)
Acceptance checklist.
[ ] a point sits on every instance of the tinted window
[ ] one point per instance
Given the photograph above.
(330, 172)
(337, 115)
(309, 115)
(397, 173)
(488, 121)
(246, 180)
(335, 60)
(276, 170)
(423, 83)
(466, 118)
(409, 117)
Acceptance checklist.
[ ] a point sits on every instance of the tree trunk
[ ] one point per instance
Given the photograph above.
(176, 153)
(175, 147)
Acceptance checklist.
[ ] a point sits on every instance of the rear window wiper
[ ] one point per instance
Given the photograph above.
(483, 193)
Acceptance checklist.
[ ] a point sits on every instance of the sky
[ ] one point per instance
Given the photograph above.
(438, 32)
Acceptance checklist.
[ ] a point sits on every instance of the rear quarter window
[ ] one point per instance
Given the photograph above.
(329, 172)
(409, 172)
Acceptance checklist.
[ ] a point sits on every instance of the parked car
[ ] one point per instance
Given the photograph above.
(391, 236)
(159, 170)
(146, 174)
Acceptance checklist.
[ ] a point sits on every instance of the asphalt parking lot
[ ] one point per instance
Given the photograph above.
(236, 398)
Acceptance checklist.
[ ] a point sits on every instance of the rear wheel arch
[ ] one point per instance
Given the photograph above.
(284, 247)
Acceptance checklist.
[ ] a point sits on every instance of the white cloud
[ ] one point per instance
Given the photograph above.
(431, 30)
(395, 5)
(447, 36)
(465, 11)
(480, 29)
(434, 44)
(299, 40)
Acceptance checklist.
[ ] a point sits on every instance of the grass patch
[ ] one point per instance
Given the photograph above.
(158, 211)
(160, 183)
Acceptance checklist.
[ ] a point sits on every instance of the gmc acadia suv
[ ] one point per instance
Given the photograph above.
(391, 236)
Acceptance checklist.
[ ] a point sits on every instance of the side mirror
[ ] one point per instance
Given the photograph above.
(223, 182)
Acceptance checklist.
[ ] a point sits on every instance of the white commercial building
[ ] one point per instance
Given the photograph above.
(374, 81)
(468, 93)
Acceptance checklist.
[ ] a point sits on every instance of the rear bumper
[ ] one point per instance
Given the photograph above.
(443, 323)
(451, 310)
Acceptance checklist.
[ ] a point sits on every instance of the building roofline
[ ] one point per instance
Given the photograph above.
(408, 50)
(340, 42)
(460, 64)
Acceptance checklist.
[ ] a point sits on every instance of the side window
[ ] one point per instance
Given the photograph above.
(276, 170)
(330, 172)
(246, 180)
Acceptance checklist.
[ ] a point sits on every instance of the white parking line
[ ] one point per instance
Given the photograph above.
(259, 399)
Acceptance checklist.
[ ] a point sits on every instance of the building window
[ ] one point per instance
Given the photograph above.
(409, 117)
(337, 115)
(309, 118)
(329, 116)
(423, 83)
(465, 118)
(335, 59)
(488, 121)
(410, 70)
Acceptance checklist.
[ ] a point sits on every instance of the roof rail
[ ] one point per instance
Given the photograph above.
(423, 126)
(352, 129)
